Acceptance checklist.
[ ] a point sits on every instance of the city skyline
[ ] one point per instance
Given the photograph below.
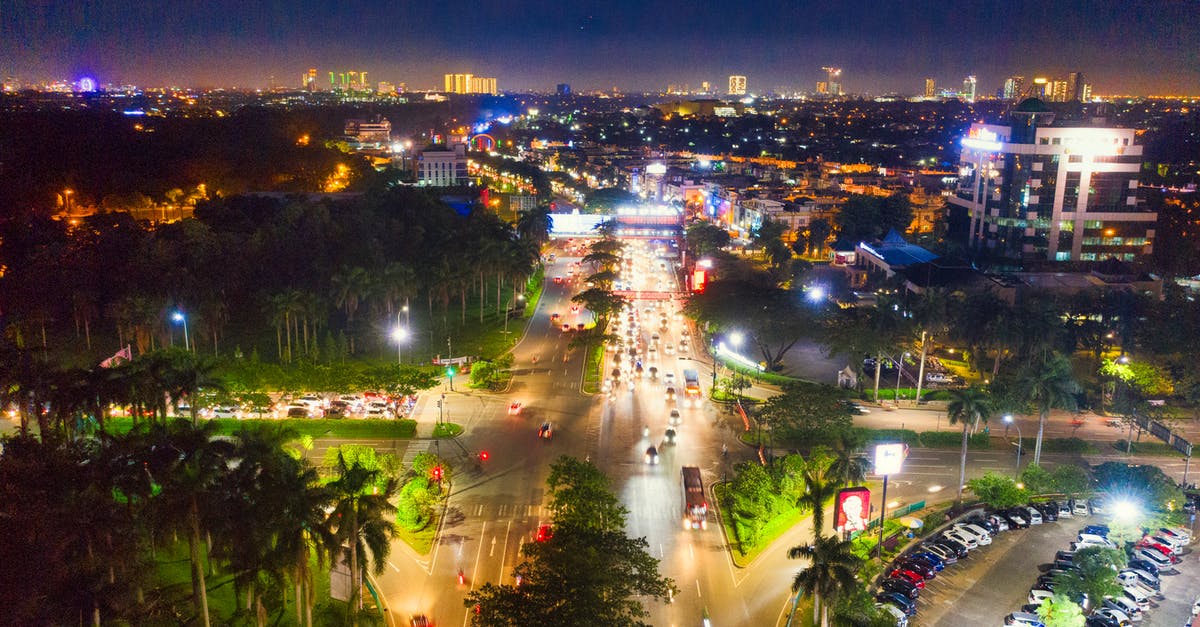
(633, 47)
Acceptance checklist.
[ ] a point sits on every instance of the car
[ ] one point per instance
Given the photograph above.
(948, 556)
(991, 523)
(1065, 511)
(566, 327)
(377, 409)
(546, 431)
(1079, 508)
(901, 586)
(937, 561)
(1037, 596)
(339, 409)
(514, 408)
(1098, 505)
(1091, 538)
(419, 620)
(1099, 530)
(958, 536)
(543, 533)
(580, 326)
(1144, 565)
(1178, 534)
(1023, 619)
(1136, 595)
(669, 395)
(922, 567)
(955, 546)
(1121, 617)
(1049, 511)
(554, 317)
(301, 411)
(1096, 620)
(558, 279)
(1062, 566)
(907, 575)
(1155, 546)
(1174, 544)
(653, 372)
(980, 535)
(1064, 556)
(1017, 518)
(669, 436)
(1125, 606)
(906, 605)
(1162, 562)
(1035, 516)
(674, 417)
(226, 411)
(897, 614)
(310, 400)
(1140, 577)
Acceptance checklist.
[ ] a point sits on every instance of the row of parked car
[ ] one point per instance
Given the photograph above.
(903, 583)
(1139, 580)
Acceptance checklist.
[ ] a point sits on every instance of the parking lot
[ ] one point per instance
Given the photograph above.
(995, 580)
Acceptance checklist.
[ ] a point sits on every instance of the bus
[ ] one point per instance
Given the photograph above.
(691, 386)
(695, 507)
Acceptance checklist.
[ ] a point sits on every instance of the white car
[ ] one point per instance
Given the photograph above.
(1035, 517)
(1125, 606)
(1023, 619)
(1093, 539)
(896, 613)
(981, 536)
(1081, 508)
(1064, 511)
(1134, 593)
(1037, 597)
(968, 541)
(226, 411)
(1121, 617)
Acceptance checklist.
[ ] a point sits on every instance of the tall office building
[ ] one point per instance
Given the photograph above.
(1057, 90)
(833, 80)
(1034, 189)
(469, 84)
(309, 80)
(737, 85)
(1014, 87)
(930, 88)
(968, 88)
(1075, 86)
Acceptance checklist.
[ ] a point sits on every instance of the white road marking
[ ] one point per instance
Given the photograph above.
(478, 554)
(504, 552)
(492, 550)
(698, 589)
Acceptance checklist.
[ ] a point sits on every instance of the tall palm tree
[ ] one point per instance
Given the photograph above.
(830, 574)
(350, 287)
(358, 522)
(968, 407)
(849, 464)
(1048, 384)
(818, 490)
(534, 225)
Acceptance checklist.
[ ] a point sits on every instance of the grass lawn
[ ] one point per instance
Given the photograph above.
(447, 430)
(318, 428)
(722, 397)
(1147, 448)
(591, 369)
(770, 531)
(421, 541)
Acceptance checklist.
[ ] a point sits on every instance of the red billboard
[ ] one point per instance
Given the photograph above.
(853, 510)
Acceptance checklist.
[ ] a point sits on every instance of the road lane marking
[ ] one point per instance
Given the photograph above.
(393, 566)
(478, 554)
(492, 550)
(504, 552)
(698, 589)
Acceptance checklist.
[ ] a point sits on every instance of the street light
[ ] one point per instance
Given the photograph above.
(180, 318)
(899, 373)
(399, 335)
(1008, 420)
(508, 309)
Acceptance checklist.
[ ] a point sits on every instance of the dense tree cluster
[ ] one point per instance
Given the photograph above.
(90, 520)
(325, 275)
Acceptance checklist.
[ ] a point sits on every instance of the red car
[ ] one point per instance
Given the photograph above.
(544, 533)
(909, 576)
(514, 408)
(1165, 550)
(574, 309)
(558, 279)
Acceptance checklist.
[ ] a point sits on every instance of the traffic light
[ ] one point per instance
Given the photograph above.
(449, 371)
(483, 456)
(437, 473)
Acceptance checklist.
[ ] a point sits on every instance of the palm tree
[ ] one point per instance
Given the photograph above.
(1048, 384)
(818, 490)
(396, 282)
(849, 465)
(968, 407)
(358, 522)
(830, 574)
(350, 287)
(534, 225)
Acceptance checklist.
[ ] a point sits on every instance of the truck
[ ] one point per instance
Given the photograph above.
(691, 387)
(695, 506)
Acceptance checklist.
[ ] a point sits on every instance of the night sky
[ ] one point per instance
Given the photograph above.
(1122, 47)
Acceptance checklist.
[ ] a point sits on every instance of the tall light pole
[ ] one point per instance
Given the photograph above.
(899, 373)
(179, 317)
(1008, 420)
(508, 309)
(399, 335)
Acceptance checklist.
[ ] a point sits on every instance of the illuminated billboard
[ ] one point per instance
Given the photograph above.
(853, 509)
(889, 458)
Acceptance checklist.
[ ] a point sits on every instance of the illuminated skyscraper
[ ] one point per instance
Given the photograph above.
(469, 84)
(833, 81)
(930, 88)
(737, 85)
(1075, 86)
(968, 88)
(1014, 86)
(1058, 90)
(309, 80)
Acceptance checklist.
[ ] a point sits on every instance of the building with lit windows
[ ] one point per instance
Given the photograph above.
(930, 88)
(737, 85)
(442, 166)
(968, 88)
(1036, 189)
(469, 84)
(1014, 87)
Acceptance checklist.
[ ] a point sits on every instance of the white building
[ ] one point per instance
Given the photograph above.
(1034, 189)
(440, 166)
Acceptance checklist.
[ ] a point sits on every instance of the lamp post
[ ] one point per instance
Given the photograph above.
(179, 317)
(508, 309)
(899, 373)
(399, 335)
(1008, 420)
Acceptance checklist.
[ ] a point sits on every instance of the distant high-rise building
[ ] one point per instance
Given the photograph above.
(823, 88)
(1014, 87)
(1075, 86)
(1041, 88)
(469, 84)
(706, 87)
(1085, 92)
(1033, 189)
(930, 88)
(563, 89)
(385, 89)
(833, 80)
(968, 88)
(1058, 90)
(309, 80)
(737, 85)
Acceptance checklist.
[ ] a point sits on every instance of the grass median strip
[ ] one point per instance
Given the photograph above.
(316, 428)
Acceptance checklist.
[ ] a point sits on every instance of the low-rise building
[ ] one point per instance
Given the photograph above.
(442, 166)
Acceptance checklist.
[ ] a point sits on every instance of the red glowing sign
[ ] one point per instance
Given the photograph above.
(699, 278)
(853, 509)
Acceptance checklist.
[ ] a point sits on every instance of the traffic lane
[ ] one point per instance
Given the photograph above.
(995, 579)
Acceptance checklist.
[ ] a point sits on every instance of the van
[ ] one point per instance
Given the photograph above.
(1133, 593)
(1145, 579)
(1154, 557)
(1023, 619)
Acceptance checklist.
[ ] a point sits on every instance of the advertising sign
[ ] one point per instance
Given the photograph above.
(853, 509)
(889, 458)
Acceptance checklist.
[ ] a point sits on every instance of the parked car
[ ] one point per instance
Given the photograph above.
(1079, 508)
(1035, 516)
(951, 544)
(959, 536)
(1135, 595)
(911, 577)
(1037, 596)
(1099, 530)
(1023, 619)
(1064, 511)
(937, 561)
(1097, 620)
(1140, 577)
(922, 567)
(1165, 550)
(1097, 504)
(1017, 518)
(1125, 606)
(1065, 556)
(1120, 617)
(906, 605)
(900, 586)
(948, 555)
(1049, 511)
(979, 533)
(897, 614)
(1160, 561)
(1144, 565)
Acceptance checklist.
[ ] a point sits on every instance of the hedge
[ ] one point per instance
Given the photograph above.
(953, 439)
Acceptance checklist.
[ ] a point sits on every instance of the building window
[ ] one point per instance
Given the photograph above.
(1056, 141)
(1044, 141)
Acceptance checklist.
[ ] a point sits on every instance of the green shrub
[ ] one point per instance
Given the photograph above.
(952, 439)
(415, 508)
(907, 436)
(1062, 445)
